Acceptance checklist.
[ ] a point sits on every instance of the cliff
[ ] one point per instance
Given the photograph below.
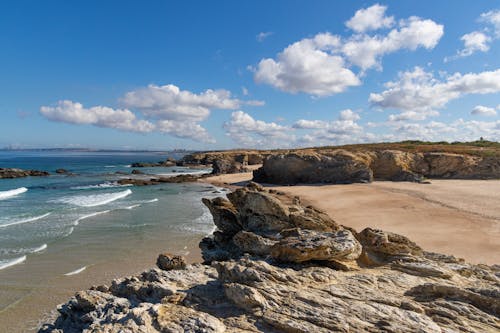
(342, 166)
(275, 265)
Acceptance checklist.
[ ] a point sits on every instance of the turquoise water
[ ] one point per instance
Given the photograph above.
(68, 225)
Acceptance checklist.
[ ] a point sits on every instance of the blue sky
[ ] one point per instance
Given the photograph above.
(227, 74)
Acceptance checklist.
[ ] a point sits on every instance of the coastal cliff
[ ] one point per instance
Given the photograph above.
(405, 161)
(275, 265)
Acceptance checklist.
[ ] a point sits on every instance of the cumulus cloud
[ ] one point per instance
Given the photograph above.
(308, 66)
(171, 103)
(247, 131)
(492, 17)
(348, 114)
(323, 65)
(101, 116)
(167, 109)
(371, 18)
(261, 36)
(481, 110)
(418, 94)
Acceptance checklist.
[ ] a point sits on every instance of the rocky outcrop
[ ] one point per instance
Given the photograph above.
(19, 173)
(187, 178)
(224, 166)
(276, 266)
(340, 166)
(167, 163)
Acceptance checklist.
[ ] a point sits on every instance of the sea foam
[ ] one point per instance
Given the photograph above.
(12, 193)
(76, 271)
(27, 220)
(77, 221)
(11, 262)
(95, 199)
(102, 185)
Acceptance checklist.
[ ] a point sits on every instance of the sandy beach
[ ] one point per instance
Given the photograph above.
(459, 217)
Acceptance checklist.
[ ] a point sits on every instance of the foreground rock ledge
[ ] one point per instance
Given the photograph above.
(277, 266)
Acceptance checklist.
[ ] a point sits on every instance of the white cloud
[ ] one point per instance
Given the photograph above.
(365, 51)
(419, 92)
(475, 41)
(185, 130)
(321, 65)
(308, 66)
(261, 36)
(310, 124)
(492, 17)
(247, 131)
(348, 114)
(481, 110)
(101, 116)
(371, 18)
(170, 103)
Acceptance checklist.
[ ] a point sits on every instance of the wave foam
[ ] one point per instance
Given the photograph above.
(11, 193)
(97, 186)
(151, 201)
(95, 199)
(11, 262)
(77, 221)
(23, 250)
(28, 220)
(76, 271)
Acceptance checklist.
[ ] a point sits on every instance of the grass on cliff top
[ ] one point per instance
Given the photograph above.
(479, 148)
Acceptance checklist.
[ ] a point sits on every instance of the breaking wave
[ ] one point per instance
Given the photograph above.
(12, 193)
(27, 220)
(95, 199)
(97, 186)
(76, 271)
(11, 262)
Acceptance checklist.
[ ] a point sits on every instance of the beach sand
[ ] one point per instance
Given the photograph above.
(459, 217)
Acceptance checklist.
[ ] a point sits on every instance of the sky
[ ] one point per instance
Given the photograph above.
(221, 74)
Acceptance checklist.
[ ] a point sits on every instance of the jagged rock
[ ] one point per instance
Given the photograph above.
(137, 172)
(252, 243)
(167, 262)
(224, 215)
(380, 246)
(340, 167)
(19, 173)
(225, 166)
(396, 287)
(304, 245)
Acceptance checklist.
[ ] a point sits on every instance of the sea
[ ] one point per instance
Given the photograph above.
(65, 232)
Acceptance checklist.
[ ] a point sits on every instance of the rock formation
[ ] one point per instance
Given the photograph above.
(341, 166)
(19, 173)
(274, 265)
(167, 163)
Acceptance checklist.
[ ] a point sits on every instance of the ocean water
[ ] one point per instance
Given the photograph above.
(62, 227)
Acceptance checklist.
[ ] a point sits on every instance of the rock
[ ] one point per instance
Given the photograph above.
(137, 172)
(167, 262)
(62, 171)
(305, 245)
(19, 173)
(278, 279)
(225, 166)
(339, 167)
(249, 242)
(224, 215)
(380, 246)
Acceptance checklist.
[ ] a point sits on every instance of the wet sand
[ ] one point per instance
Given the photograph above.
(459, 217)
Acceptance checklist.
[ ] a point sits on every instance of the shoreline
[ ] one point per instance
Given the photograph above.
(433, 215)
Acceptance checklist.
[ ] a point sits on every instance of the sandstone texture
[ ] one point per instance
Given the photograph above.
(19, 173)
(341, 166)
(274, 265)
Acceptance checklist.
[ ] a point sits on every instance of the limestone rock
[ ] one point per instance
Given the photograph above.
(224, 215)
(252, 243)
(167, 262)
(304, 245)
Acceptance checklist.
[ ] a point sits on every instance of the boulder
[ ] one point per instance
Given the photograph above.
(19, 173)
(338, 167)
(305, 245)
(167, 262)
(137, 172)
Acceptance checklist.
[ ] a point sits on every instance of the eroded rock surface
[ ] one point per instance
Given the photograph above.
(341, 166)
(19, 173)
(276, 266)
